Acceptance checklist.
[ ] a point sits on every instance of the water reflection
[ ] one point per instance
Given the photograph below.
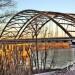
(56, 58)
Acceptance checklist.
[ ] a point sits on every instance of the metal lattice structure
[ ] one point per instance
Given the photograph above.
(31, 21)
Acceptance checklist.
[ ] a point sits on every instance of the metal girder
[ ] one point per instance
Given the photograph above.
(26, 24)
(41, 40)
(20, 21)
(13, 20)
(49, 18)
(31, 22)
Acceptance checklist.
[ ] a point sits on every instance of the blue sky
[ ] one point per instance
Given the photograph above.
(47, 5)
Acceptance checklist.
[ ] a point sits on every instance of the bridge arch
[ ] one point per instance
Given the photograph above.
(17, 24)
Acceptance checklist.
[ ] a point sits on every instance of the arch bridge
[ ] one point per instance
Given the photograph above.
(31, 31)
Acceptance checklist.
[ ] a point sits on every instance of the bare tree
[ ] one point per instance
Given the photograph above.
(5, 14)
(5, 8)
(6, 3)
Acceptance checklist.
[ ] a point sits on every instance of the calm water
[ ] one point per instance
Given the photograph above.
(60, 58)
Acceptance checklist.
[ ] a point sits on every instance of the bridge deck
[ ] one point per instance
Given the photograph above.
(11, 41)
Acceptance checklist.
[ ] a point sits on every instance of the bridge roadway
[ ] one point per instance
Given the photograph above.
(55, 39)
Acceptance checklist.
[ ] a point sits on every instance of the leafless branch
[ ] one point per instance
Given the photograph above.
(6, 3)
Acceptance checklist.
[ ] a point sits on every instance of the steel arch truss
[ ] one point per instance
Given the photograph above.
(30, 22)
